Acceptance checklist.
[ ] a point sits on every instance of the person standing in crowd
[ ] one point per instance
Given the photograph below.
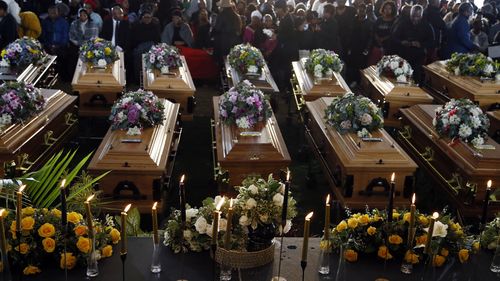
(146, 34)
(458, 39)
(412, 38)
(89, 6)
(30, 25)
(269, 41)
(116, 29)
(177, 32)
(478, 36)
(227, 30)
(451, 15)
(382, 29)
(8, 26)
(318, 6)
(345, 17)
(82, 29)
(359, 46)
(13, 9)
(254, 27)
(432, 14)
(329, 31)
(202, 38)
(55, 39)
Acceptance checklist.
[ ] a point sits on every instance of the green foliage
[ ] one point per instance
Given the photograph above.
(133, 222)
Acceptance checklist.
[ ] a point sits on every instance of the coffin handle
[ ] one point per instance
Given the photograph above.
(405, 132)
(299, 98)
(48, 140)
(23, 163)
(70, 119)
(428, 154)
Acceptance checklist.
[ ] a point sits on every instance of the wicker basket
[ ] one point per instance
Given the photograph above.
(242, 260)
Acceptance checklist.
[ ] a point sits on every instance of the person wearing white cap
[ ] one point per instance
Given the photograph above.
(250, 30)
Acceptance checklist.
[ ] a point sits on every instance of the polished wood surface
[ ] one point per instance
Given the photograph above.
(40, 75)
(353, 164)
(391, 95)
(264, 82)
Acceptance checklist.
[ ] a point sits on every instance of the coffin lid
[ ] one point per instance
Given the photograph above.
(177, 80)
(31, 74)
(14, 136)
(148, 155)
(393, 90)
(463, 155)
(269, 146)
(333, 87)
(355, 153)
(265, 82)
(85, 76)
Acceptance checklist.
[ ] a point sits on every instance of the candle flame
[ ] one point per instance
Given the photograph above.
(327, 199)
(90, 198)
(393, 177)
(435, 215)
(288, 175)
(231, 203)
(1, 212)
(21, 188)
(413, 198)
(63, 183)
(221, 202)
(309, 216)
(127, 208)
(154, 205)
(182, 178)
(489, 184)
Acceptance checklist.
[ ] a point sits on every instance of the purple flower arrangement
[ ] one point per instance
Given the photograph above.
(135, 111)
(98, 52)
(19, 102)
(162, 55)
(245, 58)
(23, 52)
(244, 105)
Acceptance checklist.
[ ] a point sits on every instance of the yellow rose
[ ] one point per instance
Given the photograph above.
(395, 215)
(5, 213)
(49, 244)
(383, 253)
(324, 245)
(27, 223)
(351, 255)
(28, 211)
(423, 220)
(422, 239)
(411, 257)
(364, 219)
(13, 226)
(444, 252)
(341, 226)
(30, 269)
(56, 213)
(45, 211)
(70, 261)
(107, 251)
(476, 246)
(46, 230)
(107, 51)
(463, 255)
(81, 230)
(83, 244)
(371, 230)
(4, 52)
(115, 235)
(74, 217)
(352, 223)
(438, 260)
(454, 226)
(90, 54)
(459, 232)
(376, 218)
(24, 248)
(395, 239)
(406, 217)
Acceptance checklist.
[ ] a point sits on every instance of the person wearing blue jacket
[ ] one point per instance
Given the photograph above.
(458, 35)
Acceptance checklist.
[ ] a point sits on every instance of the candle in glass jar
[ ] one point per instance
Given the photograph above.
(123, 250)
(19, 207)
(215, 224)
(227, 241)
(305, 242)
(434, 217)
(327, 218)
(154, 214)
(90, 225)
(3, 240)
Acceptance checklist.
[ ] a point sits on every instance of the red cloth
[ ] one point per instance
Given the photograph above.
(201, 64)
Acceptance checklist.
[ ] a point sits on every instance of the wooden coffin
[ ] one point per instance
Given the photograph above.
(27, 146)
(242, 156)
(445, 86)
(140, 165)
(177, 86)
(98, 89)
(494, 130)
(391, 95)
(263, 82)
(460, 170)
(359, 171)
(307, 88)
(41, 75)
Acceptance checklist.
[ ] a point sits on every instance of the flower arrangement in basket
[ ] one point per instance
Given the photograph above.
(22, 52)
(491, 234)
(395, 66)
(246, 59)
(163, 57)
(244, 105)
(42, 243)
(322, 62)
(98, 52)
(355, 114)
(135, 111)
(472, 65)
(461, 119)
(370, 233)
(18, 103)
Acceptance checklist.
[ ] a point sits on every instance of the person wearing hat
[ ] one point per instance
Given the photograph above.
(177, 32)
(226, 31)
(254, 27)
(90, 6)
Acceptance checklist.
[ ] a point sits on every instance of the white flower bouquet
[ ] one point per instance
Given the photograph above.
(322, 62)
(472, 65)
(395, 66)
(245, 58)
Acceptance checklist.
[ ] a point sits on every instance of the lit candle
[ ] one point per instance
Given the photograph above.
(123, 250)
(391, 198)
(305, 242)
(411, 231)
(227, 241)
(427, 249)
(484, 216)
(19, 209)
(327, 218)
(285, 201)
(89, 216)
(154, 213)
(182, 198)
(215, 224)
(64, 212)
(3, 241)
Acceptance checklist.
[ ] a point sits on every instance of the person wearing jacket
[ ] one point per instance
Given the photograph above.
(8, 26)
(177, 32)
(458, 35)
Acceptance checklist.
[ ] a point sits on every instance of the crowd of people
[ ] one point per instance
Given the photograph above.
(361, 32)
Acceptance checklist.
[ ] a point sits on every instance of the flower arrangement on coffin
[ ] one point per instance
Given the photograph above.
(472, 65)
(98, 52)
(135, 111)
(163, 57)
(461, 119)
(370, 233)
(41, 241)
(246, 59)
(322, 62)
(395, 66)
(22, 52)
(490, 235)
(355, 114)
(18, 103)
(244, 105)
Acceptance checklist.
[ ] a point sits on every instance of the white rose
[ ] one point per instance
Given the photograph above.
(188, 235)
(164, 69)
(251, 203)
(201, 225)
(329, 72)
(278, 199)
(253, 189)
(394, 65)
(464, 131)
(134, 131)
(244, 221)
(102, 63)
(222, 224)
(209, 230)
(252, 69)
(477, 141)
(191, 213)
(476, 122)
(440, 229)
(288, 226)
(488, 69)
(217, 200)
(401, 79)
(318, 67)
(318, 74)
(457, 71)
